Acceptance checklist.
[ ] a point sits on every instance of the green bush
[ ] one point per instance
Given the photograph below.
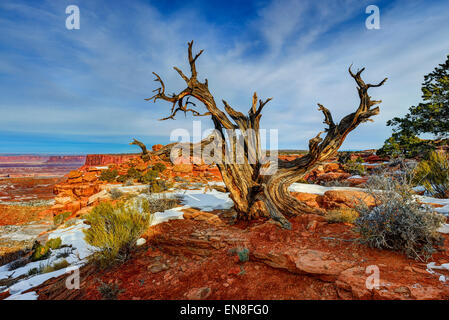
(54, 243)
(149, 177)
(109, 291)
(344, 156)
(398, 222)
(159, 167)
(114, 230)
(134, 174)
(60, 218)
(40, 252)
(355, 166)
(108, 175)
(433, 174)
(115, 194)
(243, 255)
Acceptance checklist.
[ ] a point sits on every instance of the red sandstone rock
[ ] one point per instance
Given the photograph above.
(331, 176)
(308, 198)
(75, 174)
(353, 182)
(334, 166)
(157, 147)
(183, 168)
(90, 177)
(4, 295)
(334, 199)
(107, 159)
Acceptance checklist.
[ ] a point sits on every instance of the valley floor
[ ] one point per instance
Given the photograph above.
(195, 255)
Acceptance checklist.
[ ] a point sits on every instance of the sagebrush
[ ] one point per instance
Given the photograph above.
(115, 228)
(398, 221)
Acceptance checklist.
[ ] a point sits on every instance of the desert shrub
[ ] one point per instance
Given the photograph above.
(64, 253)
(160, 204)
(54, 243)
(114, 230)
(343, 215)
(33, 271)
(134, 174)
(433, 174)
(122, 178)
(109, 291)
(60, 218)
(40, 252)
(344, 157)
(243, 255)
(397, 221)
(16, 264)
(355, 166)
(159, 167)
(54, 267)
(115, 193)
(149, 176)
(108, 175)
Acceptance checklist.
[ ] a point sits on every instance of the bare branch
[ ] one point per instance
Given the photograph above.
(327, 117)
(192, 59)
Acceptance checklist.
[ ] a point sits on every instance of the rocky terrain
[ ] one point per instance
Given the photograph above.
(198, 250)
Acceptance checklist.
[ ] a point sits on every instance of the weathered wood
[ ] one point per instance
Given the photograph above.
(256, 195)
(144, 154)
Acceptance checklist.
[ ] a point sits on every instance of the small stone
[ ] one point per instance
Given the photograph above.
(157, 267)
(198, 293)
(140, 242)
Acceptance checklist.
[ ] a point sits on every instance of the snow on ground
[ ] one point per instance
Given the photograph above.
(355, 177)
(206, 201)
(75, 250)
(171, 214)
(317, 189)
(216, 183)
(73, 240)
(73, 236)
(444, 202)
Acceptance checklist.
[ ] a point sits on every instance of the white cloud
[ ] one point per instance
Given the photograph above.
(93, 82)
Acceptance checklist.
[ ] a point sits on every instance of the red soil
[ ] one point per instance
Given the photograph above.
(197, 255)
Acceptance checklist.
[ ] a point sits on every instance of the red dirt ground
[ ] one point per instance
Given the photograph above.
(197, 255)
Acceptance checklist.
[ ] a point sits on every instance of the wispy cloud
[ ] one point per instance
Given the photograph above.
(88, 85)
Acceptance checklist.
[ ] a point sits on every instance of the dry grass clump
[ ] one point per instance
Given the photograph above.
(344, 215)
(115, 228)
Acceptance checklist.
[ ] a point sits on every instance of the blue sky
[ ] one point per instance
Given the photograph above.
(81, 91)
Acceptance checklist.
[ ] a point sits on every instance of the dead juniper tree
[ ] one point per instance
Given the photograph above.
(254, 193)
(145, 154)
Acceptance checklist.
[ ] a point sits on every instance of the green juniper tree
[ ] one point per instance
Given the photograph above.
(429, 117)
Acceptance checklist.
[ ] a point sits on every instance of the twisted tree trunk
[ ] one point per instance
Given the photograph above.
(254, 192)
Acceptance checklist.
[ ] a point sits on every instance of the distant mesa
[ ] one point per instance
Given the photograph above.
(107, 159)
(66, 159)
(39, 159)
